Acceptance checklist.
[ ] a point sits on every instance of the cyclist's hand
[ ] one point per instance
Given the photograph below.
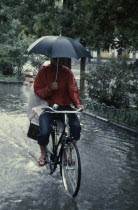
(80, 107)
(54, 86)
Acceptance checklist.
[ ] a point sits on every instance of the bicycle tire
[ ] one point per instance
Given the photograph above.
(71, 168)
(50, 164)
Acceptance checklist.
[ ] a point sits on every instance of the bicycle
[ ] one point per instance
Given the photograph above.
(65, 153)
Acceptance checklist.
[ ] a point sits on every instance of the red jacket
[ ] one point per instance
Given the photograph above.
(67, 92)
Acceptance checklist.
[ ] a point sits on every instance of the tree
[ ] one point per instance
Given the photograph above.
(101, 25)
(15, 33)
(97, 23)
(106, 24)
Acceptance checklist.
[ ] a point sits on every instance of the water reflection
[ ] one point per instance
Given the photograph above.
(13, 98)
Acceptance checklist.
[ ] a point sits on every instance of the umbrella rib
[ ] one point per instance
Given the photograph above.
(76, 49)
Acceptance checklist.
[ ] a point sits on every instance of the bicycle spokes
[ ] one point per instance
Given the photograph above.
(71, 169)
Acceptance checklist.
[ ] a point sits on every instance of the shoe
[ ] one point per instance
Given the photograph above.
(71, 162)
(42, 161)
(69, 158)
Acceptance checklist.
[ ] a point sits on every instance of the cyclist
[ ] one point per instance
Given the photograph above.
(63, 92)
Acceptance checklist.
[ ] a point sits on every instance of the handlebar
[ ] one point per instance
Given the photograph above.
(51, 110)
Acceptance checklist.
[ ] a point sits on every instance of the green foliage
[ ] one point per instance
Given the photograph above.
(102, 24)
(14, 54)
(97, 23)
(36, 61)
(113, 82)
(39, 17)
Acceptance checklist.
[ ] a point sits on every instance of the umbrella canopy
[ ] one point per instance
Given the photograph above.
(59, 46)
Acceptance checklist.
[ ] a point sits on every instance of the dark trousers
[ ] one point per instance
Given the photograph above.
(46, 120)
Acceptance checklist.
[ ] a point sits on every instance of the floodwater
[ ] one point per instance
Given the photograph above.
(109, 159)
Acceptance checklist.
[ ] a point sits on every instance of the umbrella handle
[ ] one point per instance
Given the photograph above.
(57, 70)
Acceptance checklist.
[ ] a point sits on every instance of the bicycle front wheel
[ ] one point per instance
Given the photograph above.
(71, 168)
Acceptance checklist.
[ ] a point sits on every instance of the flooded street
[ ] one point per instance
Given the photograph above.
(109, 159)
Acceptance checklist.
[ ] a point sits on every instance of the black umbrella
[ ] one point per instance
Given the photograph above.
(59, 46)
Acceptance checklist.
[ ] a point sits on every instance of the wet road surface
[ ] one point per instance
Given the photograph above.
(109, 164)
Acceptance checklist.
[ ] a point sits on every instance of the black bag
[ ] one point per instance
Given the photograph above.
(33, 131)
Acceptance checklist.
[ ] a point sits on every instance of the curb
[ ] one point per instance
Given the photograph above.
(6, 82)
(96, 117)
(124, 127)
(111, 123)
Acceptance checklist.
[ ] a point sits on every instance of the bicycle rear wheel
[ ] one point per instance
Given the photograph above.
(71, 168)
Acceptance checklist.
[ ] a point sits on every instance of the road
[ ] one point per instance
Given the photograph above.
(109, 164)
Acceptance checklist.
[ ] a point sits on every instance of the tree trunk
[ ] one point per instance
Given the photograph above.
(98, 56)
(119, 52)
(134, 56)
(19, 70)
(89, 59)
(82, 80)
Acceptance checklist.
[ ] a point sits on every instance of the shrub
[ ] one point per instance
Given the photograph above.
(113, 83)
(14, 54)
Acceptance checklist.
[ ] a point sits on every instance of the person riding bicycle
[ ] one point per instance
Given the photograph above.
(63, 92)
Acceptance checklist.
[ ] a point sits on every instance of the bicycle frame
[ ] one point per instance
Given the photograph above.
(63, 138)
(62, 141)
